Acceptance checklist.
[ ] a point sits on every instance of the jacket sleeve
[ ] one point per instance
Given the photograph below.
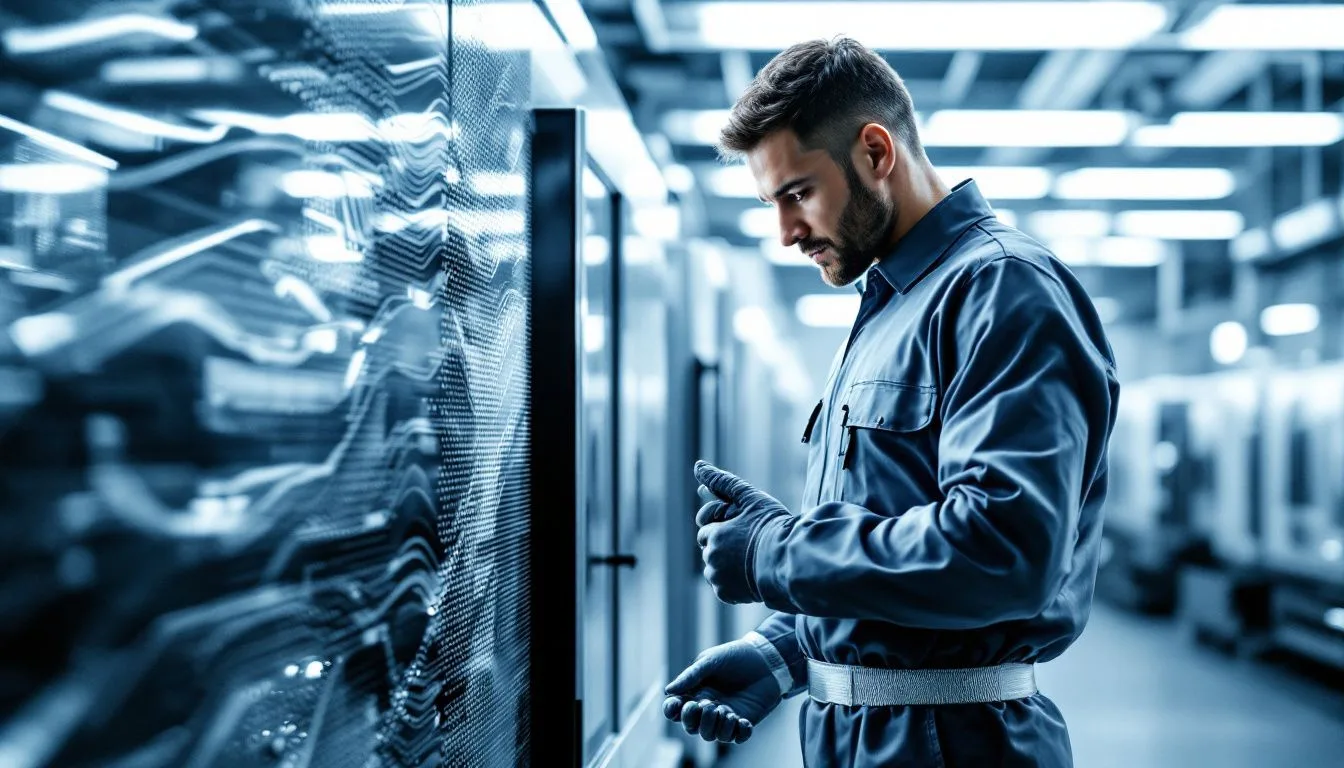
(777, 640)
(1024, 419)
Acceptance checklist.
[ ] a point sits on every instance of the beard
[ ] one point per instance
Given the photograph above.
(864, 227)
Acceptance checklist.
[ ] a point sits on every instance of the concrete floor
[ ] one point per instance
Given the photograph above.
(1136, 693)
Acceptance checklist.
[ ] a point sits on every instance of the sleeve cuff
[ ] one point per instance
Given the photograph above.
(773, 659)
(764, 565)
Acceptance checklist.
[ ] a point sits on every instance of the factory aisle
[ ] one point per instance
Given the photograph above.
(1136, 693)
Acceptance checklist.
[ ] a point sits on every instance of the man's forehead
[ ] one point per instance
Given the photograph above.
(778, 157)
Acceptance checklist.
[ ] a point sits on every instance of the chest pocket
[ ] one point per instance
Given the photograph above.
(886, 407)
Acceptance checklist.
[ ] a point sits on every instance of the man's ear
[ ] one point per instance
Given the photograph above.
(877, 150)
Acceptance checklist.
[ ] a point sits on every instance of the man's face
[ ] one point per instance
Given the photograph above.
(825, 209)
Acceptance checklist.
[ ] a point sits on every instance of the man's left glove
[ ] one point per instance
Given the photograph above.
(730, 527)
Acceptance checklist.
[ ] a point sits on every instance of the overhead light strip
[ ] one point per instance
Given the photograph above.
(990, 128)
(929, 26)
(1268, 28)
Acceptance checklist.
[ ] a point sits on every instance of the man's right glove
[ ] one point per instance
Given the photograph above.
(724, 693)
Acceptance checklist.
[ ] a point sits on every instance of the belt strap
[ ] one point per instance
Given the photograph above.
(852, 686)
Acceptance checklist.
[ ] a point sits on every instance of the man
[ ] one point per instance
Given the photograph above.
(949, 533)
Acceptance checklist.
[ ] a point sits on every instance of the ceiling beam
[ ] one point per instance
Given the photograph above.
(1217, 77)
(961, 74)
(1062, 80)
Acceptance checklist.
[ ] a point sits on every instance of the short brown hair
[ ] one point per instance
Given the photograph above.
(825, 90)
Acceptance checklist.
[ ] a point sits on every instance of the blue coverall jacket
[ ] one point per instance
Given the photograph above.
(956, 472)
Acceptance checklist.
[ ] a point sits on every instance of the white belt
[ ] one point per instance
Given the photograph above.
(873, 687)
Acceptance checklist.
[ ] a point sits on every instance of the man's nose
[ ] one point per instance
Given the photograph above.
(792, 228)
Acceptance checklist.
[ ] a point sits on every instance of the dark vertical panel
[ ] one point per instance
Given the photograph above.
(555, 712)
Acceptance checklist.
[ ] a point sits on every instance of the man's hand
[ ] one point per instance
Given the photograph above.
(728, 528)
(724, 693)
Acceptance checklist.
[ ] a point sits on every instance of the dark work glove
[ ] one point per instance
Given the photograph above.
(724, 693)
(730, 527)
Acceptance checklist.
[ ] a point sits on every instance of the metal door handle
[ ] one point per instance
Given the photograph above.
(615, 561)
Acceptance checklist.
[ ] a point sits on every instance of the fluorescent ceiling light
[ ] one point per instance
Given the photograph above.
(1244, 129)
(1073, 128)
(1289, 319)
(1110, 251)
(1180, 225)
(759, 222)
(827, 310)
(691, 126)
(1307, 226)
(1145, 184)
(777, 254)
(995, 182)
(1227, 342)
(1025, 128)
(1065, 224)
(1001, 182)
(930, 25)
(1269, 28)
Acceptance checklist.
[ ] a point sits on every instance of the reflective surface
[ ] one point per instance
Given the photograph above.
(646, 430)
(263, 479)
(597, 454)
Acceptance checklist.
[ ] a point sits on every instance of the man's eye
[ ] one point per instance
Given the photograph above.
(797, 197)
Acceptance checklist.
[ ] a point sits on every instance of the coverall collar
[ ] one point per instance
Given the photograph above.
(931, 237)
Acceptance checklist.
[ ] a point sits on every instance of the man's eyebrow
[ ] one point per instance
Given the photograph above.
(787, 186)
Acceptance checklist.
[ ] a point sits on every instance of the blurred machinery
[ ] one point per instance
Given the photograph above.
(1229, 507)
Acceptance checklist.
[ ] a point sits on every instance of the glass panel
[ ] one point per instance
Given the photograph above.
(599, 506)
(263, 476)
(642, 610)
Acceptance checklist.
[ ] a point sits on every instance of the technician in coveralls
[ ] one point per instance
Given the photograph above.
(951, 522)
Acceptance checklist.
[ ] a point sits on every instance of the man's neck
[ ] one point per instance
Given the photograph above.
(922, 189)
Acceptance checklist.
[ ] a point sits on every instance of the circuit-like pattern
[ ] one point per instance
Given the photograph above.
(263, 437)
